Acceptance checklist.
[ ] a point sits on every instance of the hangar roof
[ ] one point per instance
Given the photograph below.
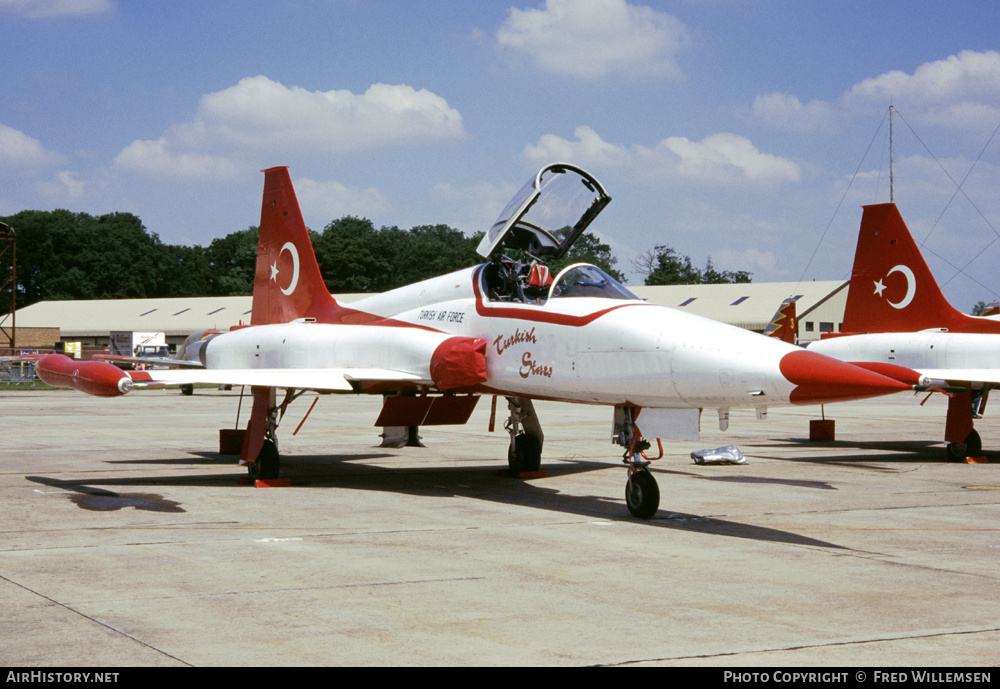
(748, 305)
(176, 317)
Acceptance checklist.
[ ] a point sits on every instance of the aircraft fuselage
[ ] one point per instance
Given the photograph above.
(583, 349)
(923, 350)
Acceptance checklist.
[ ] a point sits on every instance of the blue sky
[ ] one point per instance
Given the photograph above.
(750, 131)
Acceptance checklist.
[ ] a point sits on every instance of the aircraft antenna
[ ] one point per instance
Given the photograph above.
(891, 174)
(8, 251)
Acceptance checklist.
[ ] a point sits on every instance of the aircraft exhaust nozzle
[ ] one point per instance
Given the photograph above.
(820, 379)
(97, 378)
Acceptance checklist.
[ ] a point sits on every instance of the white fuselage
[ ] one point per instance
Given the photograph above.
(604, 351)
(598, 350)
(927, 350)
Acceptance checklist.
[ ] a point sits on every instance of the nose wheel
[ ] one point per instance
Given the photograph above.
(642, 494)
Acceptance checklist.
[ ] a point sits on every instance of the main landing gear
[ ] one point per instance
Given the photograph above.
(963, 440)
(526, 437)
(260, 448)
(972, 447)
(268, 464)
(642, 494)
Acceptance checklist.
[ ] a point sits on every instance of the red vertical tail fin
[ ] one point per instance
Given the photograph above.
(287, 281)
(892, 289)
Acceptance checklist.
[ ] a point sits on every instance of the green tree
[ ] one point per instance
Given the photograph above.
(589, 249)
(667, 267)
(348, 255)
(662, 265)
(64, 255)
(355, 257)
(432, 250)
(710, 276)
(231, 262)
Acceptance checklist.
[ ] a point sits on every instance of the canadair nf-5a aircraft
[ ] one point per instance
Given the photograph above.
(897, 315)
(505, 327)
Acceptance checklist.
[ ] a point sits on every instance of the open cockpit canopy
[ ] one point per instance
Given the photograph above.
(548, 213)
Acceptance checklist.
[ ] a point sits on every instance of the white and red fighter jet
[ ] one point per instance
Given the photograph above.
(896, 314)
(505, 327)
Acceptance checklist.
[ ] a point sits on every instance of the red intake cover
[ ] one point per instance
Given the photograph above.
(459, 362)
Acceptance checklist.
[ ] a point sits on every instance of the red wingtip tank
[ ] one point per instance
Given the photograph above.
(92, 377)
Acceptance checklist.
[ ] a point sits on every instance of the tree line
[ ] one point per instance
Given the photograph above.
(63, 255)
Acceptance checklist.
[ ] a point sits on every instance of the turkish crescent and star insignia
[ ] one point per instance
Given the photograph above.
(911, 287)
(290, 248)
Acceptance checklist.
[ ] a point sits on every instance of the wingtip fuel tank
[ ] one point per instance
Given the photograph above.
(97, 378)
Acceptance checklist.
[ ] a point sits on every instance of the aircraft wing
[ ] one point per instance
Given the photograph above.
(331, 379)
(149, 361)
(963, 375)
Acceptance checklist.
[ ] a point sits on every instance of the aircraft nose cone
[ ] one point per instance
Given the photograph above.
(820, 379)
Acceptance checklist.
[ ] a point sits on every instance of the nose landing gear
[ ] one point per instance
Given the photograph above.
(642, 494)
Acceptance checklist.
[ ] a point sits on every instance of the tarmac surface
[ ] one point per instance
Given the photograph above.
(128, 540)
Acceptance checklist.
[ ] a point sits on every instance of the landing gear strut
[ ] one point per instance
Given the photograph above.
(526, 438)
(963, 440)
(642, 494)
(260, 447)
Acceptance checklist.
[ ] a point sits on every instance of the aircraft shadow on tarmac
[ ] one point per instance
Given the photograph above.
(889, 451)
(99, 500)
(489, 483)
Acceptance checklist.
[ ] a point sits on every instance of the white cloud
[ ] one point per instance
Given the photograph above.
(752, 260)
(67, 187)
(20, 151)
(785, 111)
(589, 147)
(260, 116)
(89, 192)
(155, 158)
(334, 200)
(969, 74)
(53, 9)
(961, 91)
(473, 208)
(591, 38)
(717, 159)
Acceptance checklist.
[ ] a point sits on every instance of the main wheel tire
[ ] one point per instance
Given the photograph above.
(268, 464)
(956, 452)
(526, 455)
(642, 495)
(972, 446)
